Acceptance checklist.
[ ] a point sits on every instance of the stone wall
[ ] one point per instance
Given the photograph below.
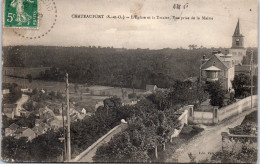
(218, 115)
(184, 120)
(89, 153)
(237, 108)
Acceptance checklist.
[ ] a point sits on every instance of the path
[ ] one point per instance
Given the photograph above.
(22, 100)
(207, 142)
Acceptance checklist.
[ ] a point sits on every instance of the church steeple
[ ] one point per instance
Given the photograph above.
(237, 38)
(237, 50)
(237, 30)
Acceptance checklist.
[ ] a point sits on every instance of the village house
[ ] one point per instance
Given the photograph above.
(9, 110)
(151, 88)
(5, 91)
(46, 113)
(24, 113)
(40, 129)
(245, 69)
(83, 111)
(220, 67)
(56, 124)
(38, 121)
(26, 90)
(25, 132)
(10, 131)
(98, 104)
(29, 133)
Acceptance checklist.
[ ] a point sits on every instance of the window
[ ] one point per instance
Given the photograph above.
(212, 74)
(237, 42)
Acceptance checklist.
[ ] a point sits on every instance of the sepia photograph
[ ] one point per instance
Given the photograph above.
(129, 81)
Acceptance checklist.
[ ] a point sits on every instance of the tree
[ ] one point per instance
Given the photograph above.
(47, 147)
(17, 150)
(29, 77)
(14, 95)
(241, 85)
(216, 93)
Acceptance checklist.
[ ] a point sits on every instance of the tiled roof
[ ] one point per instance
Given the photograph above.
(13, 126)
(222, 60)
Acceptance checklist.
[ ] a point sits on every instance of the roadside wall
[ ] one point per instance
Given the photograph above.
(184, 120)
(217, 115)
(236, 108)
(89, 153)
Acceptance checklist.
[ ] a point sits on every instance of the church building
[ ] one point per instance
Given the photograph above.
(221, 66)
(237, 50)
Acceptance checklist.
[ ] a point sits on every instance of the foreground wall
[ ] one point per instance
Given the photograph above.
(217, 115)
(183, 120)
(89, 153)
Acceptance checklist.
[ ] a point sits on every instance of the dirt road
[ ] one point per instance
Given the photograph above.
(207, 142)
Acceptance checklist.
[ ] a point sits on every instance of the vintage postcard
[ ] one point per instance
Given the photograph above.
(169, 81)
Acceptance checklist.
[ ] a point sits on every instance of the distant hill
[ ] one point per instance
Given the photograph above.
(108, 66)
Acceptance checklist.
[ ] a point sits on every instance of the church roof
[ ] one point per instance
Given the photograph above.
(237, 30)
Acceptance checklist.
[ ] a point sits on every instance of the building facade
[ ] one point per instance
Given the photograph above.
(220, 67)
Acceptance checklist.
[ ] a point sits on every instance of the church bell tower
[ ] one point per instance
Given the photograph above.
(237, 38)
(237, 50)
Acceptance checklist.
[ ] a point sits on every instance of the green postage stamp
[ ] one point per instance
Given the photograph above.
(21, 14)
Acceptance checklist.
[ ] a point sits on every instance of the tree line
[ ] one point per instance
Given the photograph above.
(108, 66)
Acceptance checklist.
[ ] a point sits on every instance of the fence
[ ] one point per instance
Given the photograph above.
(217, 115)
(89, 153)
(231, 142)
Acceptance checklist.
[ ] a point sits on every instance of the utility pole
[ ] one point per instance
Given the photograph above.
(251, 76)
(68, 119)
(64, 135)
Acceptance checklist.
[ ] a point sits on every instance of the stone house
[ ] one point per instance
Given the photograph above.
(220, 67)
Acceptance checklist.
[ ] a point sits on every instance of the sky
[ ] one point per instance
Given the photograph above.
(132, 33)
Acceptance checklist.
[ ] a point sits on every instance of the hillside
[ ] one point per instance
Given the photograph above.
(108, 66)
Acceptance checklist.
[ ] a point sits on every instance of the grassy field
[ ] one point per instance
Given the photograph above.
(81, 97)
